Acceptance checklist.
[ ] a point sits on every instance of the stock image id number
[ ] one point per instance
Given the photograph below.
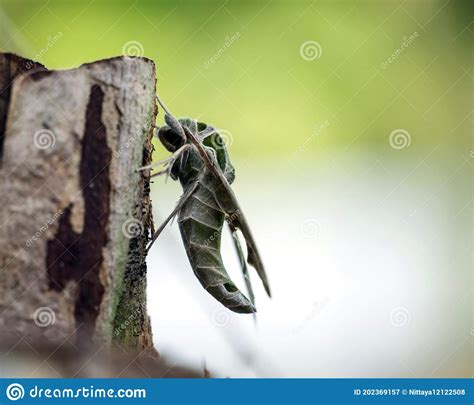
(378, 391)
(410, 392)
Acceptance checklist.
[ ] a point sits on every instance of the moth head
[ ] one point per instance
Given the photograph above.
(170, 139)
(172, 136)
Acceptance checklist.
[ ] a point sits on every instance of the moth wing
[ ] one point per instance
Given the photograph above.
(227, 200)
(237, 220)
(243, 265)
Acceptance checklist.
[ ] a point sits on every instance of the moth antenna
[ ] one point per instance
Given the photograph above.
(171, 120)
(163, 105)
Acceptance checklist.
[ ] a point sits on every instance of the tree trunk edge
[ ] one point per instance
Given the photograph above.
(127, 322)
(132, 308)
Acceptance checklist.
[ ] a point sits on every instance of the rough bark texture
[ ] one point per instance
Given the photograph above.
(75, 212)
(10, 67)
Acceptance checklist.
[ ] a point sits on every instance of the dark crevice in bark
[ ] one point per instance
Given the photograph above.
(79, 257)
(11, 66)
(62, 260)
(95, 183)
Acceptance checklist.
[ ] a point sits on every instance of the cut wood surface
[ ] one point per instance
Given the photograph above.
(75, 212)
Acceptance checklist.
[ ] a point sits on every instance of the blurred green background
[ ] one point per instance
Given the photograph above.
(350, 127)
(259, 88)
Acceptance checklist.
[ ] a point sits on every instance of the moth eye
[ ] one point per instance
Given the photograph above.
(171, 140)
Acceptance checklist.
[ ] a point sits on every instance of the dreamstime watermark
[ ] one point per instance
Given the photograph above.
(221, 317)
(44, 317)
(15, 392)
(318, 130)
(223, 140)
(410, 216)
(52, 41)
(133, 49)
(311, 50)
(132, 228)
(130, 141)
(399, 139)
(44, 139)
(311, 228)
(216, 234)
(43, 229)
(125, 323)
(407, 41)
(228, 42)
(399, 317)
(318, 307)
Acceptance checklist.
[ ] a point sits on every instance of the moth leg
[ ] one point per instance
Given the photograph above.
(166, 162)
(206, 132)
(243, 263)
(172, 160)
(155, 164)
(178, 207)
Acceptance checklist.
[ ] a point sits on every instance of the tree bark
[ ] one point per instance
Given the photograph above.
(75, 213)
(10, 67)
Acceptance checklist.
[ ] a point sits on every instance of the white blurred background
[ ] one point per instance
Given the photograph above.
(369, 262)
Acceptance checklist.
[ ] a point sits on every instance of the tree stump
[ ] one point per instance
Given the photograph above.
(75, 213)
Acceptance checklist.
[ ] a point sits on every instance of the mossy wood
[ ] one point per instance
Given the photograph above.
(75, 212)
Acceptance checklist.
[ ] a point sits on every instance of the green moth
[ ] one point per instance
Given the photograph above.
(200, 161)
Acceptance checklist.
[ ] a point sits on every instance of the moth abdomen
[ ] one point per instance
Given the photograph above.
(201, 223)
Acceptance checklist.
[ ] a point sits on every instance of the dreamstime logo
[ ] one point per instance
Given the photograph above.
(216, 235)
(135, 315)
(44, 317)
(133, 49)
(130, 141)
(221, 317)
(225, 139)
(318, 307)
(399, 139)
(132, 228)
(399, 317)
(44, 139)
(51, 219)
(310, 50)
(310, 228)
(406, 42)
(318, 130)
(15, 392)
(229, 40)
(52, 40)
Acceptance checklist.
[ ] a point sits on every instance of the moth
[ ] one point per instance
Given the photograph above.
(200, 161)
